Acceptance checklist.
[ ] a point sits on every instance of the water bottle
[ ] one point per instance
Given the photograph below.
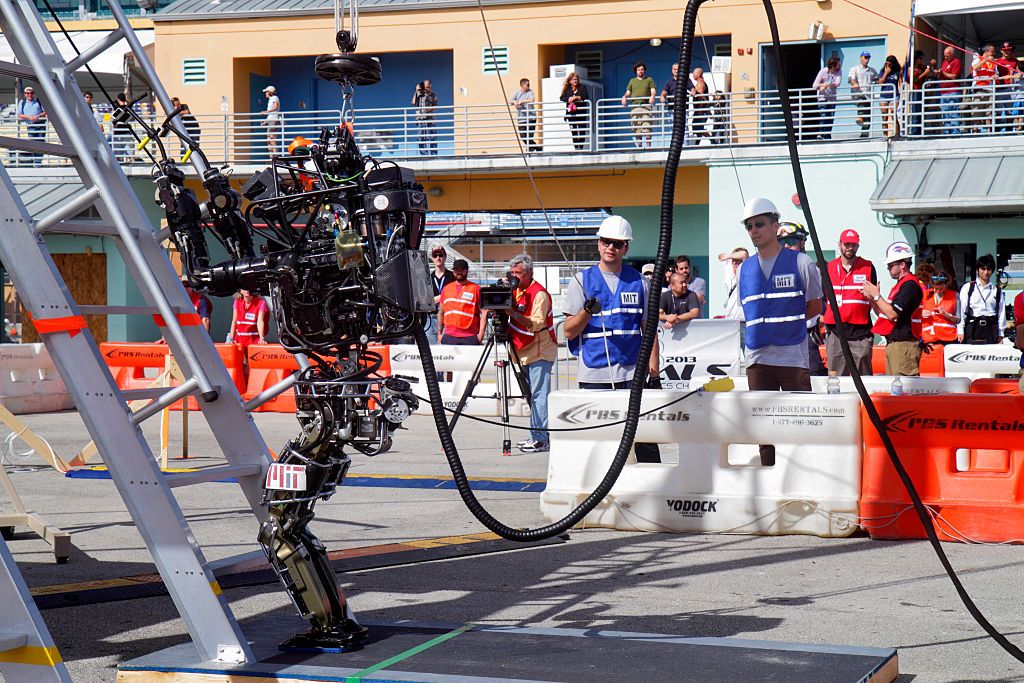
(832, 385)
(897, 387)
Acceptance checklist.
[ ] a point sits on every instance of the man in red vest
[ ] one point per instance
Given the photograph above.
(461, 315)
(899, 314)
(531, 330)
(249, 323)
(848, 274)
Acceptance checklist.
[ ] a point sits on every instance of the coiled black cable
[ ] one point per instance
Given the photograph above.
(646, 345)
(865, 397)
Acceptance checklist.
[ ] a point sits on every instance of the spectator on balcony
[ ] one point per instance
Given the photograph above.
(31, 112)
(921, 73)
(862, 79)
(980, 104)
(425, 101)
(889, 95)
(274, 120)
(97, 116)
(668, 91)
(1009, 76)
(526, 116)
(719, 119)
(575, 96)
(639, 97)
(121, 130)
(188, 121)
(700, 93)
(949, 92)
(827, 83)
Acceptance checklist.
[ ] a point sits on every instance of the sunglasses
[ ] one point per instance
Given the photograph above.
(940, 280)
(615, 244)
(755, 224)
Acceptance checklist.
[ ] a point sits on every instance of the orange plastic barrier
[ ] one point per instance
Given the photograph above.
(268, 365)
(932, 364)
(989, 385)
(984, 503)
(128, 362)
(231, 355)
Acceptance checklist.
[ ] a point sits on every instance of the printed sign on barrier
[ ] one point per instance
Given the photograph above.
(699, 349)
(981, 360)
(718, 483)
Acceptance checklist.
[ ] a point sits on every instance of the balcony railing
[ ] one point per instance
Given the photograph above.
(955, 108)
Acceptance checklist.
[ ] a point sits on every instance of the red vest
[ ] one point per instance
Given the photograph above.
(933, 326)
(884, 327)
(246, 317)
(461, 308)
(523, 307)
(854, 306)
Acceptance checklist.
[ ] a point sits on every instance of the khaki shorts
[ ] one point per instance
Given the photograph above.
(861, 350)
(903, 358)
(640, 119)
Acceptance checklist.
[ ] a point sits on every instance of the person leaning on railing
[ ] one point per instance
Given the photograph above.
(949, 92)
(826, 84)
(979, 105)
(575, 96)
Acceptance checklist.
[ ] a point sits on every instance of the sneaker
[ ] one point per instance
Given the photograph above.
(523, 442)
(535, 447)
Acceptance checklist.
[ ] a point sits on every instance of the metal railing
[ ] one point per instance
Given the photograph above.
(607, 126)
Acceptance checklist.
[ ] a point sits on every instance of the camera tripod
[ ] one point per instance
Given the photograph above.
(502, 366)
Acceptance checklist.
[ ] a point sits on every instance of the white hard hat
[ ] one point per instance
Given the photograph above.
(758, 206)
(898, 251)
(615, 228)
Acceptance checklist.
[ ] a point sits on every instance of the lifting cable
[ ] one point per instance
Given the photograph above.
(830, 295)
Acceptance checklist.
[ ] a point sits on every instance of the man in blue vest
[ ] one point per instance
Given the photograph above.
(604, 317)
(780, 289)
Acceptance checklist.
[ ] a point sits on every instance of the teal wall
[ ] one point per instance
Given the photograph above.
(838, 188)
(689, 232)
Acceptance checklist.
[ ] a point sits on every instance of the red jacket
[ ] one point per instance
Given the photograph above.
(884, 327)
(523, 307)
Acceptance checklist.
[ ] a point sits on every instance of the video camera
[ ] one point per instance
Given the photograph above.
(498, 297)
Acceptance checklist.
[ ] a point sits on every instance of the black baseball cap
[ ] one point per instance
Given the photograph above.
(460, 264)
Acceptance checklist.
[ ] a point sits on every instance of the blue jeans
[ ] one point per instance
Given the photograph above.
(949, 105)
(538, 376)
(431, 329)
(916, 109)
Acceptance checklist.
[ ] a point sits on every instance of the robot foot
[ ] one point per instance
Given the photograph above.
(339, 638)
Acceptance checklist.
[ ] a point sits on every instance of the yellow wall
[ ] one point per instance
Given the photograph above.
(568, 190)
(533, 33)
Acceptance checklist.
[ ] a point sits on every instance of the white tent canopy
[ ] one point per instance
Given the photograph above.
(110, 62)
(974, 22)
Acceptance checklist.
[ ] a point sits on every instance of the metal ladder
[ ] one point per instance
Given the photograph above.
(145, 489)
(27, 652)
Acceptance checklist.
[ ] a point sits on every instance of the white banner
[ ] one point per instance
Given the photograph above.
(699, 349)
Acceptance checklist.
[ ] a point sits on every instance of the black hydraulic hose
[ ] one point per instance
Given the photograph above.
(646, 345)
(865, 397)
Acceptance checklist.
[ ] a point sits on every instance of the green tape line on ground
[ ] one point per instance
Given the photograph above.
(358, 676)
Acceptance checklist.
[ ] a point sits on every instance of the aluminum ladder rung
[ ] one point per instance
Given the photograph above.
(213, 474)
(82, 227)
(88, 309)
(68, 210)
(144, 394)
(167, 397)
(38, 147)
(107, 42)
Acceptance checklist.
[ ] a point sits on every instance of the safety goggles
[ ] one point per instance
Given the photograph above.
(615, 244)
(939, 279)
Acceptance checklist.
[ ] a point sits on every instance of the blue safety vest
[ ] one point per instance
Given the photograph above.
(618, 323)
(775, 308)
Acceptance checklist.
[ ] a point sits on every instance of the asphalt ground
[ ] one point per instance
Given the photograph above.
(852, 591)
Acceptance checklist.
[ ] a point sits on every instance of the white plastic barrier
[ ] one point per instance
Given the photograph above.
(460, 361)
(975, 361)
(718, 484)
(29, 382)
(881, 384)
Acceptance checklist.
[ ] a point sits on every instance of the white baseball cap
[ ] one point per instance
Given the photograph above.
(270, 89)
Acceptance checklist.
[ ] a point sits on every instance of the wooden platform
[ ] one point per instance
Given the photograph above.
(454, 653)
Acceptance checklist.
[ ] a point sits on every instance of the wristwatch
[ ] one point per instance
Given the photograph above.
(876, 297)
